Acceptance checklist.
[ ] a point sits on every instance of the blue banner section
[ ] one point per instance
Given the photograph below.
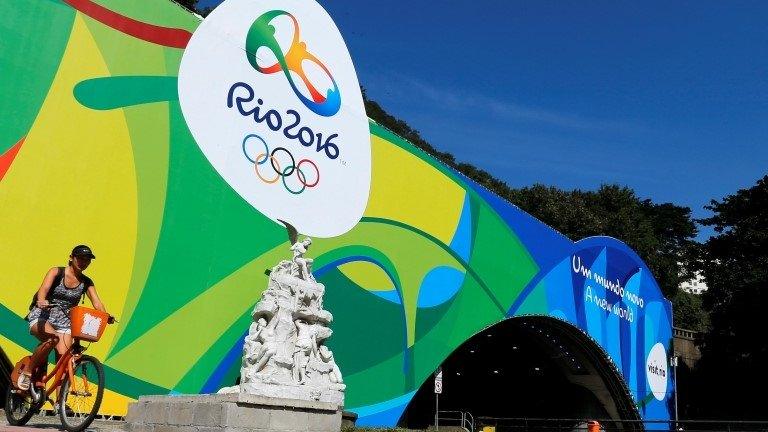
(603, 288)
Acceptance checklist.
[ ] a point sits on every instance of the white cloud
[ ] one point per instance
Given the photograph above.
(452, 99)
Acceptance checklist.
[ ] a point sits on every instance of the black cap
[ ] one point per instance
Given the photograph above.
(83, 250)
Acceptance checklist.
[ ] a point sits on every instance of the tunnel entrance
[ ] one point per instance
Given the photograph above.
(526, 367)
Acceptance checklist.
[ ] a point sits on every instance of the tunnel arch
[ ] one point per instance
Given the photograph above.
(530, 366)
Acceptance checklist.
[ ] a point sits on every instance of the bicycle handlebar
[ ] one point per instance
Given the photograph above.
(59, 303)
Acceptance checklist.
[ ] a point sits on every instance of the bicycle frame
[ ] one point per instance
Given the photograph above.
(65, 364)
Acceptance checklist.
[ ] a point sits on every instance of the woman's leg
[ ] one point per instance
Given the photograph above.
(65, 342)
(43, 330)
(46, 333)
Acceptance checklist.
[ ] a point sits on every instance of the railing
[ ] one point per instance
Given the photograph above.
(503, 424)
(458, 418)
(684, 333)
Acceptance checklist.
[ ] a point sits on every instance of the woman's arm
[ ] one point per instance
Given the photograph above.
(42, 292)
(94, 298)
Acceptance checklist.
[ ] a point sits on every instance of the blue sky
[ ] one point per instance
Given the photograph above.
(669, 98)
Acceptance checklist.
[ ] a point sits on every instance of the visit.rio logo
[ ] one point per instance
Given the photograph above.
(656, 371)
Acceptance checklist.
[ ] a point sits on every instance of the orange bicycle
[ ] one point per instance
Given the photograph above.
(79, 378)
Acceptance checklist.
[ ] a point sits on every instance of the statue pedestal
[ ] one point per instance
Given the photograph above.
(234, 412)
(278, 391)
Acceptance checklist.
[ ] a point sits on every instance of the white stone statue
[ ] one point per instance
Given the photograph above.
(284, 353)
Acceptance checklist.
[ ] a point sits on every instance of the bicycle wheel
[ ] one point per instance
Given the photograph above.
(19, 407)
(80, 400)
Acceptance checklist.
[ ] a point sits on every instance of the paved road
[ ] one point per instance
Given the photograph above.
(49, 423)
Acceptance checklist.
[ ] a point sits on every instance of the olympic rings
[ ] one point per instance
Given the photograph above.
(280, 172)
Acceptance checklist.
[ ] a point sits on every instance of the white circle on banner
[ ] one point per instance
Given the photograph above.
(656, 370)
(269, 92)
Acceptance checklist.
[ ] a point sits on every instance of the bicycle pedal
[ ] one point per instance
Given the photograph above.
(37, 394)
(79, 393)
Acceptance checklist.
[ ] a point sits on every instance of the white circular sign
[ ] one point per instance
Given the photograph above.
(269, 92)
(656, 370)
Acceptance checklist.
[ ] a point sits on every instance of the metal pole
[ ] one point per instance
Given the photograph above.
(674, 381)
(437, 410)
(674, 371)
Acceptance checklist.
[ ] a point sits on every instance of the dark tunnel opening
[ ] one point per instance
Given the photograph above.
(525, 368)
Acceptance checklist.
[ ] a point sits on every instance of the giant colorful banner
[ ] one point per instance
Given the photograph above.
(105, 141)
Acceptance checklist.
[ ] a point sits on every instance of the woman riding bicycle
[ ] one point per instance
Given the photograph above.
(77, 378)
(49, 318)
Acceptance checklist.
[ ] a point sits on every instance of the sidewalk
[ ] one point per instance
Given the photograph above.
(50, 423)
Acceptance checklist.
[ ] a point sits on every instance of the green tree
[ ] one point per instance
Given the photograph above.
(735, 349)
(689, 311)
(565, 211)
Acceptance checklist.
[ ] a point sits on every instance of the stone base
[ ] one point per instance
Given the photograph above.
(289, 391)
(236, 412)
(348, 419)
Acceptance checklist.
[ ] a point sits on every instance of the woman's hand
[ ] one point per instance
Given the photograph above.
(43, 304)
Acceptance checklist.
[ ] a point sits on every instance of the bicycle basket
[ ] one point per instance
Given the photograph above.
(87, 324)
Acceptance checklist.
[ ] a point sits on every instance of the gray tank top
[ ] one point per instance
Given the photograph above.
(71, 296)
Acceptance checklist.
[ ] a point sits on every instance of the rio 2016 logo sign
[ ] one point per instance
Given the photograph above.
(261, 86)
(262, 34)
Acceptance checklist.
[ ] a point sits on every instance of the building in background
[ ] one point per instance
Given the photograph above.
(697, 285)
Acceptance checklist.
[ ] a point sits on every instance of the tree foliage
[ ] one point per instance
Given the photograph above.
(689, 311)
(735, 350)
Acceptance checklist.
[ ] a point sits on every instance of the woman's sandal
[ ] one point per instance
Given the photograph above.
(25, 379)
